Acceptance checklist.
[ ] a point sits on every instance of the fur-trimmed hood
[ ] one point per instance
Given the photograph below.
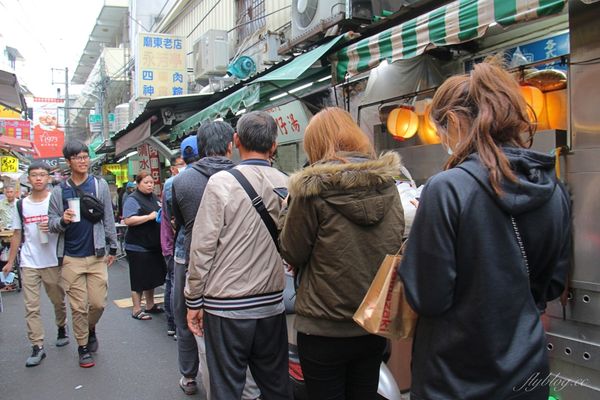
(360, 189)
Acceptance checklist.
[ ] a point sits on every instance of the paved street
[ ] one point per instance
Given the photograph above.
(135, 360)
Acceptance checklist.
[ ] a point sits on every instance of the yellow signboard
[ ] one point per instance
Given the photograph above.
(118, 170)
(160, 65)
(9, 164)
(6, 112)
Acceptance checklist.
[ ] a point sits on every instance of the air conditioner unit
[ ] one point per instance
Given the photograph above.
(307, 15)
(311, 15)
(211, 54)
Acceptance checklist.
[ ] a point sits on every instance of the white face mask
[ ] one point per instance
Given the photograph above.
(180, 169)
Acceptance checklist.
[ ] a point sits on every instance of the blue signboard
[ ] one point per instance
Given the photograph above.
(540, 50)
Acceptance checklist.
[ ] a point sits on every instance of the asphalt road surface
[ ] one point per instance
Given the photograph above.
(135, 359)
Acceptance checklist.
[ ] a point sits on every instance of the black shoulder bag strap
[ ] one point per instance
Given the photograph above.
(20, 213)
(258, 203)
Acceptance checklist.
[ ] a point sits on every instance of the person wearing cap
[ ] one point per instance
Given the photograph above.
(167, 240)
(39, 262)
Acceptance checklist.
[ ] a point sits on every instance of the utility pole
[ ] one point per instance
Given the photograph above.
(104, 82)
(67, 109)
(67, 121)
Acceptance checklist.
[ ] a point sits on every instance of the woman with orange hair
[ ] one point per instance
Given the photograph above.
(343, 216)
(488, 247)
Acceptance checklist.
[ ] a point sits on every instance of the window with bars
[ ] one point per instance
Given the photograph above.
(250, 18)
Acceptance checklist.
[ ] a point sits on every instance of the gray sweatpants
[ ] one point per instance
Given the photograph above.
(186, 342)
(233, 345)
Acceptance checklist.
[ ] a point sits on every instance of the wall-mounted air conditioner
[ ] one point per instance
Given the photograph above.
(211, 54)
(308, 14)
(311, 15)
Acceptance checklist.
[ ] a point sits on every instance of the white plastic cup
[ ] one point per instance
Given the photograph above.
(43, 235)
(74, 204)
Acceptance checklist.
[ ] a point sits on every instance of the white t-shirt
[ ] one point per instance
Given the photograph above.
(33, 253)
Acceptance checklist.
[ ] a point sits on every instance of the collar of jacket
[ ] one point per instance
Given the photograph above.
(360, 172)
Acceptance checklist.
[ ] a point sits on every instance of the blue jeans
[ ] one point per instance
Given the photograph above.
(169, 292)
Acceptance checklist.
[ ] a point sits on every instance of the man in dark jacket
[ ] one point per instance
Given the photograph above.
(214, 141)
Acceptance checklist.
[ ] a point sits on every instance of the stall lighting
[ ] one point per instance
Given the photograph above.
(402, 123)
(133, 153)
(535, 99)
(218, 119)
(299, 88)
(240, 112)
(324, 79)
(294, 90)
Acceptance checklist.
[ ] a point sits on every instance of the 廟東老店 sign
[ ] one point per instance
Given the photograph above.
(160, 66)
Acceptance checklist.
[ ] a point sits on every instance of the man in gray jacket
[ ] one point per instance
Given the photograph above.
(214, 143)
(236, 274)
(82, 248)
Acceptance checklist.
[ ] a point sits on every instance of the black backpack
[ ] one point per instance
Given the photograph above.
(91, 208)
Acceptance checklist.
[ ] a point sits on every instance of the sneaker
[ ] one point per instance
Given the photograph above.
(171, 332)
(188, 385)
(36, 357)
(62, 339)
(92, 344)
(85, 357)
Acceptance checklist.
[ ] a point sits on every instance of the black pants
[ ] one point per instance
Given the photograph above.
(341, 368)
(234, 344)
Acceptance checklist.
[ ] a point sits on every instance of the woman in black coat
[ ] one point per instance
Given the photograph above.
(489, 246)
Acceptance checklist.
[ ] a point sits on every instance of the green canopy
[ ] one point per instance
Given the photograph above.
(242, 98)
(299, 65)
(457, 22)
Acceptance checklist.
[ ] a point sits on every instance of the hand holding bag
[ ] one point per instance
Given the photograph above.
(384, 311)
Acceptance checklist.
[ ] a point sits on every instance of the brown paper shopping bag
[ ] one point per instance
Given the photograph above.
(384, 311)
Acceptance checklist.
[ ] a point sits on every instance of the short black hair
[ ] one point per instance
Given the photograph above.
(257, 131)
(74, 147)
(213, 138)
(37, 164)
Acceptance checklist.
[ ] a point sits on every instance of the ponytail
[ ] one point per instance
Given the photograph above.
(490, 102)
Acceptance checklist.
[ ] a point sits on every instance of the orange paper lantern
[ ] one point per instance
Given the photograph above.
(535, 98)
(427, 130)
(402, 123)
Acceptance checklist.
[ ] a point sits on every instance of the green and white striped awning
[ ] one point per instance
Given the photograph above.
(457, 22)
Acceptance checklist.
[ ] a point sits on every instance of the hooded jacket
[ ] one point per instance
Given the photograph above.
(188, 188)
(342, 220)
(479, 334)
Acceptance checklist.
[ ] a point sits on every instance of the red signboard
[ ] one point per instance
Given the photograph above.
(16, 128)
(49, 143)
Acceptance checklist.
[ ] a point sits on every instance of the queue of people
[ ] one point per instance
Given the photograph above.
(474, 269)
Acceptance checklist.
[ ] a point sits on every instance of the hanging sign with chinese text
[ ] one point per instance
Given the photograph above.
(160, 66)
(291, 118)
(9, 164)
(149, 161)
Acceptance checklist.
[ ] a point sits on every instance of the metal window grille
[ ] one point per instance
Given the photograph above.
(251, 17)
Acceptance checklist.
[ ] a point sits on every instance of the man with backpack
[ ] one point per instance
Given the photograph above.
(39, 264)
(83, 237)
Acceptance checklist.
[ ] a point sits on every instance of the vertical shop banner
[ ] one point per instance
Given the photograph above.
(160, 66)
(9, 164)
(49, 137)
(149, 161)
(292, 118)
(16, 128)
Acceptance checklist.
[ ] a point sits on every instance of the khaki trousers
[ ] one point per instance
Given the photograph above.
(85, 280)
(33, 278)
